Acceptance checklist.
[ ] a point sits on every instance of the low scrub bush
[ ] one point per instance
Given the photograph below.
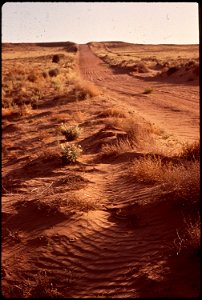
(70, 152)
(32, 77)
(121, 146)
(53, 72)
(182, 179)
(41, 287)
(189, 239)
(71, 133)
(148, 91)
(56, 58)
(191, 151)
(172, 70)
(84, 90)
(112, 112)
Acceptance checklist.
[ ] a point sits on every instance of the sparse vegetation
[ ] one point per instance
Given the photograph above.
(172, 70)
(131, 135)
(189, 239)
(193, 234)
(70, 152)
(56, 58)
(71, 133)
(41, 288)
(28, 83)
(112, 112)
(190, 151)
(59, 208)
(148, 91)
(182, 178)
(53, 72)
(84, 90)
(114, 149)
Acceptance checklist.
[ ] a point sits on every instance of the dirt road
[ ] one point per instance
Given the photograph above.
(173, 107)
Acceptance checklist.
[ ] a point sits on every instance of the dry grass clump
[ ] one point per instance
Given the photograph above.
(148, 91)
(191, 151)
(133, 135)
(84, 90)
(182, 179)
(147, 169)
(53, 72)
(112, 112)
(71, 133)
(189, 240)
(193, 234)
(56, 58)
(180, 183)
(42, 287)
(82, 204)
(117, 148)
(39, 208)
(137, 132)
(172, 70)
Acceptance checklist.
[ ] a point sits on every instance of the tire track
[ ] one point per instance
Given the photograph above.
(175, 108)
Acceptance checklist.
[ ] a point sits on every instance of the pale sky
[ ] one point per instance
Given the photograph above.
(83, 22)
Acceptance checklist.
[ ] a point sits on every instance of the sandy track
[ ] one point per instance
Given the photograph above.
(174, 107)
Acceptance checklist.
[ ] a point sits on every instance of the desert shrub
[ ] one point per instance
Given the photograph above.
(84, 90)
(71, 133)
(112, 112)
(190, 63)
(196, 70)
(182, 179)
(32, 77)
(136, 134)
(39, 208)
(70, 152)
(53, 72)
(172, 70)
(44, 74)
(193, 234)
(189, 239)
(114, 149)
(56, 58)
(147, 169)
(42, 287)
(148, 91)
(191, 151)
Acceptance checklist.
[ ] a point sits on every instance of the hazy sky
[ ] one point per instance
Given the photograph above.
(135, 22)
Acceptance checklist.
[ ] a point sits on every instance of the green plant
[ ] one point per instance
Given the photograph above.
(148, 91)
(70, 152)
(71, 133)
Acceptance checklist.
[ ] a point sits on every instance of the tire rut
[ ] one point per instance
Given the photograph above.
(169, 103)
